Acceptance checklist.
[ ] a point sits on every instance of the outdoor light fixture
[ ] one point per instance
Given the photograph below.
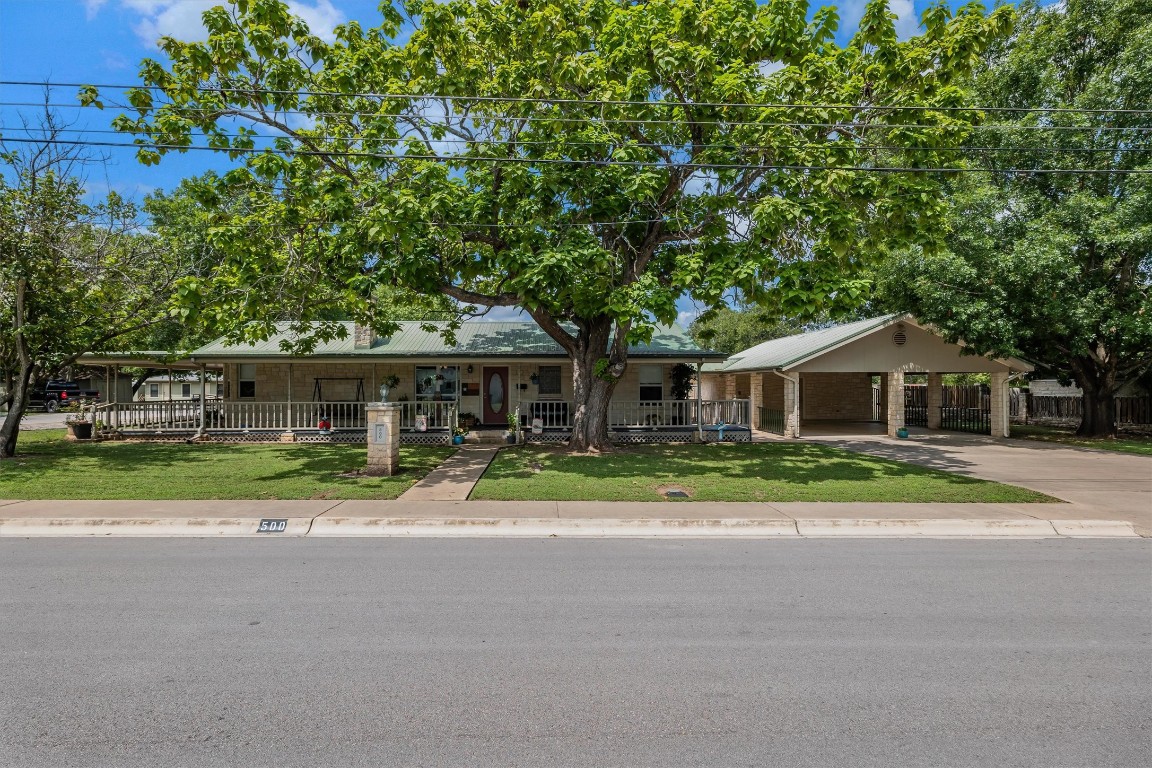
(534, 378)
(469, 369)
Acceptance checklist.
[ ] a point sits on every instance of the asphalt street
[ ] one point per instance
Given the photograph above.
(377, 652)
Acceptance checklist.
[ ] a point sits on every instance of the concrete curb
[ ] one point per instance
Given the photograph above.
(142, 526)
(932, 528)
(453, 527)
(549, 527)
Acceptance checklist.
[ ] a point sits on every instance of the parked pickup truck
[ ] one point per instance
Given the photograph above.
(54, 395)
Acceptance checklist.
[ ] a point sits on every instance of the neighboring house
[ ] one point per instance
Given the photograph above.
(1053, 388)
(495, 369)
(827, 375)
(176, 388)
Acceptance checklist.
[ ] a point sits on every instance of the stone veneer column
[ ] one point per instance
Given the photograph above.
(999, 405)
(383, 438)
(756, 396)
(935, 399)
(728, 380)
(895, 401)
(792, 406)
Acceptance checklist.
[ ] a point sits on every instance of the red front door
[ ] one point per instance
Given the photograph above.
(495, 393)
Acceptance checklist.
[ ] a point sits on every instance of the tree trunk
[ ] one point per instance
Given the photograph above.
(1099, 386)
(590, 395)
(10, 430)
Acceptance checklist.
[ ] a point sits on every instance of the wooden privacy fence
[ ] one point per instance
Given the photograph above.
(1022, 405)
(1129, 410)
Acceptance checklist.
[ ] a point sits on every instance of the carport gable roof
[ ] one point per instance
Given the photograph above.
(791, 351)
(473, 339)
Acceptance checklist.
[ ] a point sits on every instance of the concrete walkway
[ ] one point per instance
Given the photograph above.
(454, 479)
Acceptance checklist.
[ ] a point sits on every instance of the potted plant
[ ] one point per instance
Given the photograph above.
(513, 429)
(79, 428)
(458, 435)
(388, 383)
(466, 420)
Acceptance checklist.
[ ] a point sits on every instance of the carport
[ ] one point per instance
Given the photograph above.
(855, 374)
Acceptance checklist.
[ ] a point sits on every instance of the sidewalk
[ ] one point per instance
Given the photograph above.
(545, 519)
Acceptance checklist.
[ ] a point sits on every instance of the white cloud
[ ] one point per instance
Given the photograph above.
(92, 7)
(907, 20)
(181, 18)
(770, 67)
(685, 317)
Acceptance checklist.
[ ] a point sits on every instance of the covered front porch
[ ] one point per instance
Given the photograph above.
(420, 422)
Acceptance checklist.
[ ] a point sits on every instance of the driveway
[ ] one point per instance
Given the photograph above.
(41, 420)
(1101, 485)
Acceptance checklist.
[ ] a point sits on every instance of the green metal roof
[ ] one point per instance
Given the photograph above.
(789, 350)
(473, 339)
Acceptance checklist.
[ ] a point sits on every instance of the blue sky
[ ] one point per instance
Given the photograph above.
(103, 41)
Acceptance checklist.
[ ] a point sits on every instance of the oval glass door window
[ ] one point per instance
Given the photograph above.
(496, 393)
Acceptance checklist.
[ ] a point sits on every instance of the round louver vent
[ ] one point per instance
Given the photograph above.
(900, 338)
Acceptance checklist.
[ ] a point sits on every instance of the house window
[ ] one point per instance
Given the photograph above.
(247, 387)
(186, 390)
(651, 383)
(440, 382)
(548, 383)
(153, 390)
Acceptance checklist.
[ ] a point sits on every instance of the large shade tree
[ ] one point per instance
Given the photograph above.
(590, 161)
(76, 275)
(1054, 265)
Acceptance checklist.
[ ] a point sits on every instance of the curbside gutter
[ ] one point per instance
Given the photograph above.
(401, 527)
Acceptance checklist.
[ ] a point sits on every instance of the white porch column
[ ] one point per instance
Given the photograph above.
(699, 402)
(895, 402)
(935, 400)
(999, 405)
(203, 397)
(291, 416)
(792, 405)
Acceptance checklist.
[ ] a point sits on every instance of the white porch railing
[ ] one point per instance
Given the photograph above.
(436, 415)
(221, 416)
(558, 414)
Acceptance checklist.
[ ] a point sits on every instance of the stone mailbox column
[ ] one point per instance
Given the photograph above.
(383, 438)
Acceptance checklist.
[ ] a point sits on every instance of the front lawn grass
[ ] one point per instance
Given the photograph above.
(729, 472)
(1067, 436)
(47, 466)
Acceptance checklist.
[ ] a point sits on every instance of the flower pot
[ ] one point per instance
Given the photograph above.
(457, 439)
(902, 432)
(510, 439)
(80, 430)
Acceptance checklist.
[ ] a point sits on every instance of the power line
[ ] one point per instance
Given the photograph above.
(237, 113)
(591, 102)
(844, 143)
(463, 159)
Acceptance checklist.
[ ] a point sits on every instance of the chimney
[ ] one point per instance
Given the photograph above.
(362, 337)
